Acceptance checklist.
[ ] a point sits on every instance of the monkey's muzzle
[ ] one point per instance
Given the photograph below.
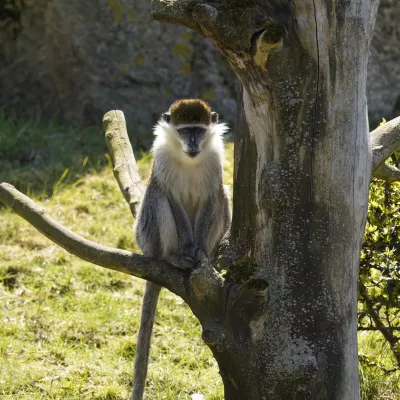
(193, 154)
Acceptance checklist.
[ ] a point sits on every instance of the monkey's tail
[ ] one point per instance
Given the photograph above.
(149, 307)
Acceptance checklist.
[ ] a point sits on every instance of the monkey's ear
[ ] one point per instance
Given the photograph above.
(214, 117)
(166, 117)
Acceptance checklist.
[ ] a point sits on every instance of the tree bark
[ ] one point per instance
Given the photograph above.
(302, 172)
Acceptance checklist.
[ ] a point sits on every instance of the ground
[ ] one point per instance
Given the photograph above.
(68, 328)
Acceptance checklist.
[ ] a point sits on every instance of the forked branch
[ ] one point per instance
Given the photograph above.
(385, 141)
(126, 173)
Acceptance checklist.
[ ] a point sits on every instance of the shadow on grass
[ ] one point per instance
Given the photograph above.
(41, 158)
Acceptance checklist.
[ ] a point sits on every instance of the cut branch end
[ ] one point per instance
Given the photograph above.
(385, 141)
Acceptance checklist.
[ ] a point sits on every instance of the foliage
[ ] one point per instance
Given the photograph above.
(379, 287)
(379, 283)
(10, 16)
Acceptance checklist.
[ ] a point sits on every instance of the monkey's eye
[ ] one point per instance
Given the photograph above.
(197, 131)
(185, 131)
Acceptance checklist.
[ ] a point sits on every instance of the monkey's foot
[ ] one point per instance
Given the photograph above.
(182, 261)
(202, 259)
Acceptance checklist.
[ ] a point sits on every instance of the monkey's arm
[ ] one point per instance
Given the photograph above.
(185, 231)
(187, 254)
(212, 222)
(163, 228)
(203, 225)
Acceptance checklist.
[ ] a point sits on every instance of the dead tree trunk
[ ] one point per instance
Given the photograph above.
(302, 172)
(281, 322)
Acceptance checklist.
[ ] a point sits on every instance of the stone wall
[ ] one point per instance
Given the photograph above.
(383, 88)
(78, 59)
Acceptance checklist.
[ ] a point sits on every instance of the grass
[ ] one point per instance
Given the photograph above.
(41, 159)
(376, 383)
(68, 329)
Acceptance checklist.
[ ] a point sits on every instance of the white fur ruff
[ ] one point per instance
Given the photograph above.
(189, 180)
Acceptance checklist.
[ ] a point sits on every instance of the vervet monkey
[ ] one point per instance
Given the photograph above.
(185, 208)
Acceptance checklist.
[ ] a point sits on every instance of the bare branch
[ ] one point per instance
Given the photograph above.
(388, 334)
(147, 268)
(204, 13)
(385, 141)
(219, 21)
(387, 173)
(176, 12)
(375, 328)
(126, 171)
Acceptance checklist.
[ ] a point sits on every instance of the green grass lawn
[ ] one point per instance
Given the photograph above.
(67, 328)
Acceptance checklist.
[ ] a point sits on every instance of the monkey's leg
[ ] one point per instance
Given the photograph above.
(158, 236)
(149, 307)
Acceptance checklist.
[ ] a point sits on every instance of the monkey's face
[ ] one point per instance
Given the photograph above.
(191, 120)
(192, 138)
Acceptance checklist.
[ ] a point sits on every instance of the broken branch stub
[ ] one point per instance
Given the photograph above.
(230, 24)
(125, 169)
(385, 141)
